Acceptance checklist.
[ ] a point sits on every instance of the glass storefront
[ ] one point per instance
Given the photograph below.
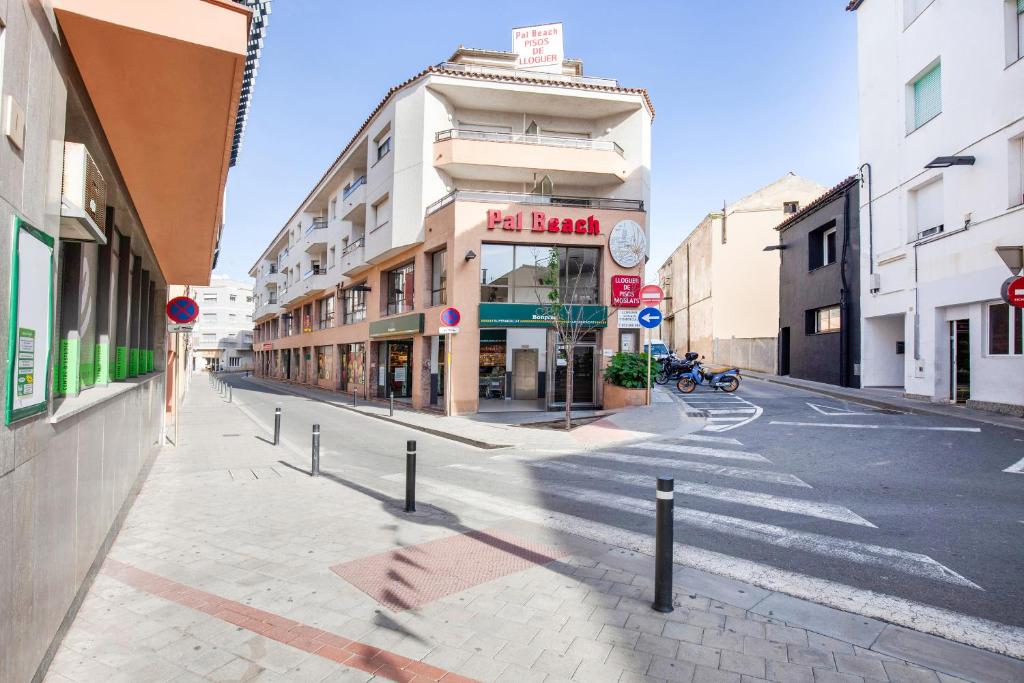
(584, 372)
(324, 362)
(493, 362)
(394, 368)
(351, 358)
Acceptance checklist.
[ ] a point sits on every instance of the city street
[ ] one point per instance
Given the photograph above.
(798, 485)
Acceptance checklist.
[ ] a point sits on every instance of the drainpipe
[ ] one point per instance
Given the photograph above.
(871, 222)
(844, 299)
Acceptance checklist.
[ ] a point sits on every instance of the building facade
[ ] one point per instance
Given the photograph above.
(942, 142)
(222, 337)
(460, 189)
(819, 289)
(119, 122)
(721, 286)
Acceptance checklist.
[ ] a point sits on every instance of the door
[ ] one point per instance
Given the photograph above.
(582, 377)
(784, 351)
(960, 360)
(396, 359)
(524, 374)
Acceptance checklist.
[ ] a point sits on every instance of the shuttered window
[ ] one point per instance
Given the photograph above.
(928, 96)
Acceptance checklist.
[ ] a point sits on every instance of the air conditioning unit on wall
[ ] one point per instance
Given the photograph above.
(83, 202)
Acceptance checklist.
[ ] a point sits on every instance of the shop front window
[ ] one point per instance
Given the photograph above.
(325, 309)
(323, 362)
(493, 363)
(401, 289)
(352, 369)
(439, 278)
(523, 273)
(355, 305)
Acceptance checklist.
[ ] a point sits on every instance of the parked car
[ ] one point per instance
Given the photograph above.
(659, 349)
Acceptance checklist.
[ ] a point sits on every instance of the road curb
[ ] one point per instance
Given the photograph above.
(880, 403)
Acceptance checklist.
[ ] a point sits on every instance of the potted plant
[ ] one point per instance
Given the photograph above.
(625, 381)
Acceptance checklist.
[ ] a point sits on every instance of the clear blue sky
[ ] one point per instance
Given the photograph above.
(744, 91)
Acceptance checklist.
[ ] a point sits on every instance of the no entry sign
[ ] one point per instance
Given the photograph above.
(1013, 291)
(651, 295)
(182, 310)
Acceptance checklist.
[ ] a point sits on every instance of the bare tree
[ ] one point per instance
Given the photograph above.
(567, 287)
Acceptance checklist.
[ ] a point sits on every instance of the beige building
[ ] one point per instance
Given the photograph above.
(722, 287)
(454, 193)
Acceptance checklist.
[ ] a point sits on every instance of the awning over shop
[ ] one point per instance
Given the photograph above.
(165, 80)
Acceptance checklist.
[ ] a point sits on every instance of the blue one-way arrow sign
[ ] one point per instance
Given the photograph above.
(650, 317)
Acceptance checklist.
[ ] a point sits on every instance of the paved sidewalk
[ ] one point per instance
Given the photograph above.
(664, 418)
(235, 565)
(894, 399)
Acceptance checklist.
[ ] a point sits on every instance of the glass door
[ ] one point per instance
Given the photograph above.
(582, 378)
(399, 372)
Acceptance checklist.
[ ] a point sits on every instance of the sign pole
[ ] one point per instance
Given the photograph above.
(650, 350)
(448, 375)
(177, 382)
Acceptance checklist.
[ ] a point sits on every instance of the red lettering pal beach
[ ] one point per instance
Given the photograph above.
(626, 290)
(651, 295)
(541, 222)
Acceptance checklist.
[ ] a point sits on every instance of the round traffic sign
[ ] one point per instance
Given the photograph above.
(450, 317)
(650, 317)
(1013, 291)
(182, 310)
(651, 295)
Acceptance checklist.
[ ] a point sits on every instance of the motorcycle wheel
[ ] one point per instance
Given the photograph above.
(730, 384)
(661, 378)
(686, 384)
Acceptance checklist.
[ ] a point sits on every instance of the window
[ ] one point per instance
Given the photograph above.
(355, 304)
(248, 299)
(232, 297)
(334, 207)
(1017, 168)
(439, 278)
(927, 97)
(1020, 29)
(209, 336)
(331, 257)
(352, 365)
(209, 318)
(401, 289)
(926, 209)
(325, 312)
(521, 273)
(383, 147)
(1005, 330)
(235, 362)
(382, 212)
(209, 296)
(790, 207)
(822, 320)
(323, 362)
(821, 248)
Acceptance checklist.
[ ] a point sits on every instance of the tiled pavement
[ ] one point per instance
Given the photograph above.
(222, 572)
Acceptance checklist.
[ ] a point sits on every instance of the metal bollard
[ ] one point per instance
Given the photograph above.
(391, 406)
(315, 469)
(229, 394)
(277, 426)
(410, 476)
(354, 398)
(663, 546)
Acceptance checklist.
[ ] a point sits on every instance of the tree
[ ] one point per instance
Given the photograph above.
(565, 285)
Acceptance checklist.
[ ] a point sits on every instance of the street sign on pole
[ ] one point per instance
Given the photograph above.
(651, 295)
(450, 317)
(447, 330)
(650, 317)
(1013, 291)
(182, 310)
(174, 328)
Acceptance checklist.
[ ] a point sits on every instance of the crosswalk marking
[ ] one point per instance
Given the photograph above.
(711, 439)
(701, 450)
(847, 425)
(808, 508)
(1016, 468)
(736, 411)
(708, 468)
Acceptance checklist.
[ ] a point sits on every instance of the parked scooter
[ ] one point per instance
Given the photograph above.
(673, 367)
(726, 380)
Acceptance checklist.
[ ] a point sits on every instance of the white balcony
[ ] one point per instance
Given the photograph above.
(315, 237)
(353, 201)
(353, 258)
(314, 282)
(267, 310)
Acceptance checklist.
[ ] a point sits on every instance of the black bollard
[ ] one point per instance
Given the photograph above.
(391, 406)
(663, 546)
(353, 398)
(277, 426)
(315, 469)
(410, 476)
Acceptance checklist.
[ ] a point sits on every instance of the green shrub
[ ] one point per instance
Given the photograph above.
(628, 370)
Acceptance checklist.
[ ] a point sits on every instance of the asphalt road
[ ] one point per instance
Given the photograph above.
(914, 506)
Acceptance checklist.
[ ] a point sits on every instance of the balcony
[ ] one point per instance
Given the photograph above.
(266, 310)
(605, 203)
(521, 158)
(353, 201)
(315, 236)
(274, 280)
(314, 281)
(527, 75)
(353, 258)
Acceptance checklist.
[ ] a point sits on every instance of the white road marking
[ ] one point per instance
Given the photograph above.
(1016, 468)
(739, 411)
(689, 465)
(725, 419)
(832, 410)
(661, 446)
(704, 402)
(796, 506)
(983, 633)
(471, 468)
(712, 439)
(856, 426)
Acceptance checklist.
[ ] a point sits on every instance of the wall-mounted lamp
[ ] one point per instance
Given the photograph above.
(361, 288)
(470, 255)
(946, 162)
(1013, 257)
(774, 247)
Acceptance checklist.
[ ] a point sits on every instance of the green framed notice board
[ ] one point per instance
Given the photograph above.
(31, 324)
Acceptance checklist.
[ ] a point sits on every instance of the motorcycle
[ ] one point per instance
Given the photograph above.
(673, 367)
(726, 380)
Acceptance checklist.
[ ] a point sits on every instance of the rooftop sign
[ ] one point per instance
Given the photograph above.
(539, 48)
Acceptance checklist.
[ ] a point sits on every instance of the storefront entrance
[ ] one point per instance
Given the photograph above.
(584, 375)
(394, 368)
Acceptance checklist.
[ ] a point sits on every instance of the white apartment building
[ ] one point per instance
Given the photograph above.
(942, 142)
(222, 337)
(433, 203)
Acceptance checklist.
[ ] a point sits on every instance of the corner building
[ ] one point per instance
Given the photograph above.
(453, 194)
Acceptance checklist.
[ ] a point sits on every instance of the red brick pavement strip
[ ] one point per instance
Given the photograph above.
(415, 575)
(351, 653)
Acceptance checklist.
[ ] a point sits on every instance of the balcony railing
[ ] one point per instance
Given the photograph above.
(317, 224)
(536, 199)
(353, 186)
(519, 73)
(315, 270)
(528, 139)
(352, 246)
